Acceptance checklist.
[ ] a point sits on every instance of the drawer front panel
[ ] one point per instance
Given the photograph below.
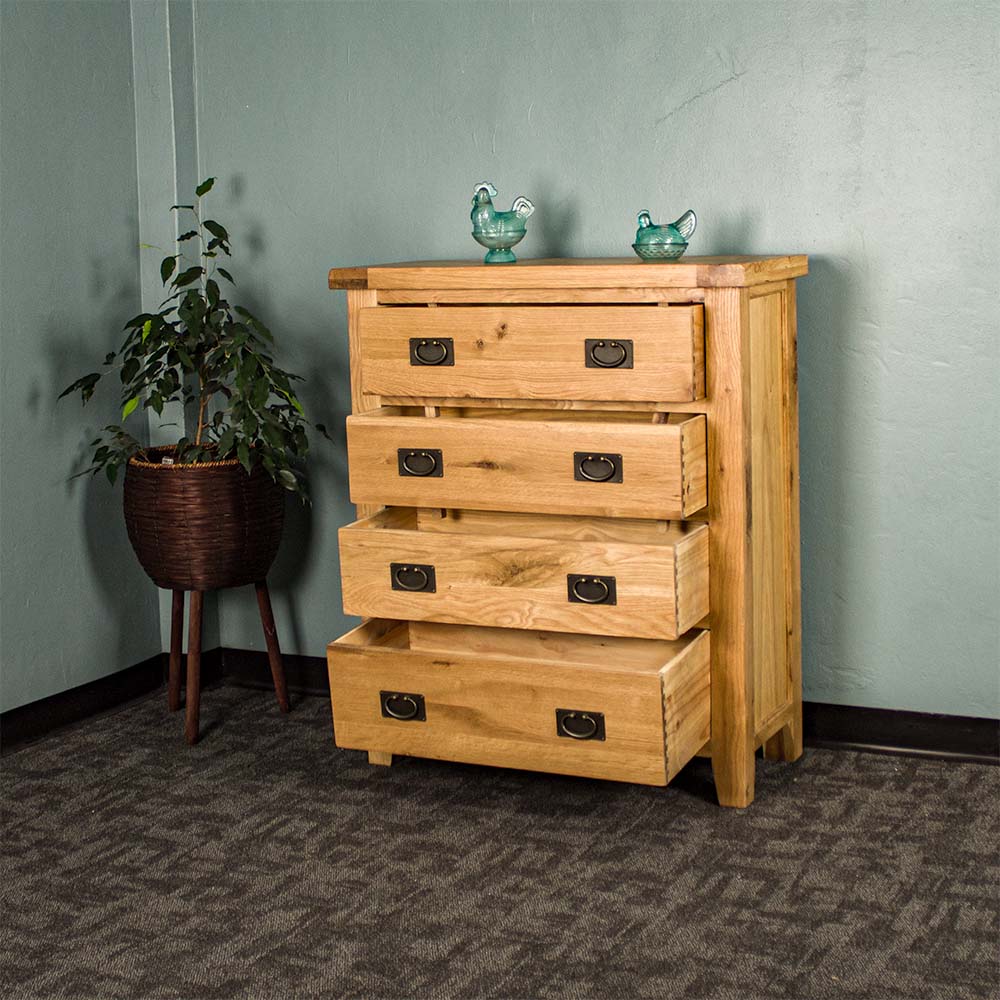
(621, 709)
(625, 353)
(599, 587)
(549, 466)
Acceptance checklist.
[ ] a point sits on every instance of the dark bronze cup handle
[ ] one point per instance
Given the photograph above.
(404, 571)
(431, 352)
(619, 358)
(579, 725)
(608, 468)
(409, 712)
(580, 595)
(409, 458)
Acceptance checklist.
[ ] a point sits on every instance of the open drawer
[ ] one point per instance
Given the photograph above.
(568, 574)
(553, 462)
(623, 709)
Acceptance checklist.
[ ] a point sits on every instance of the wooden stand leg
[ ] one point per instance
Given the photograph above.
(380, 757)
(192, 695)
(176, 637)
(273, 649)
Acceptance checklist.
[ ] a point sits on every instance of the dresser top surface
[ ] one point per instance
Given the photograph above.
(574, 272)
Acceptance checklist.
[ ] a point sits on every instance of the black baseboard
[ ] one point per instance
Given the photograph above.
(838, 727)
(250, 668)
(31, 722)
(879, 730)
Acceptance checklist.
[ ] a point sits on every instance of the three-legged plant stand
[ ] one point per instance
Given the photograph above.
(193, 691)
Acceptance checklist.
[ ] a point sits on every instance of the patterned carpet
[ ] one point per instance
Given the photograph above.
(266, 865)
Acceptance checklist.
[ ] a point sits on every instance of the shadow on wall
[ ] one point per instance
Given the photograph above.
(327, 467)
(734, 232)
(123, 597)
(825, 310)
(555, 230)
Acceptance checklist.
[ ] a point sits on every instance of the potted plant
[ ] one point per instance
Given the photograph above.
(207, 512)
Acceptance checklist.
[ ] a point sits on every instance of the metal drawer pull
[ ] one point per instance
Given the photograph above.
(591, 589)
(432, 352)
(410, 576)
(577, 725)
(608, 353)
(597, 468)
(402, 707)
(420, 462)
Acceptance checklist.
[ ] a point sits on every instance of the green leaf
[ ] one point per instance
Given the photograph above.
(225, 274)
(167, 267)
(111, 471)
(146, 327)
(204, 187)
(217, 230)
(129, 406)
(109, 357)
(186, 277)
(84, 384)
(174, 207)
(291, 399)
(226, 441)
(243, 453)
(189, 235)
(261, 390)
(288, 479)
(185, 359)
(129, 370)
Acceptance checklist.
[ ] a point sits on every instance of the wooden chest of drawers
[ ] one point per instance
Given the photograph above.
(578, 546)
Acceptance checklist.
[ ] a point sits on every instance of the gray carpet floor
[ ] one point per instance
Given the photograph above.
(265, 863)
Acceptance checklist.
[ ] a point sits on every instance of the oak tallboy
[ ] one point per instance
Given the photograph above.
(578, 544)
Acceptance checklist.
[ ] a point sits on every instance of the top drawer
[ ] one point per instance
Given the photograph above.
(641, 353)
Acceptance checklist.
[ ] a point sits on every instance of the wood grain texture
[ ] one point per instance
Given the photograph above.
(687, 703)
(786, 743)
(622, 272)
(496, 577)
(727, 343)
(537, 296)
(771, 683)
(532, 352)
(359, 299)
(524, 461)
(498, 707)
(581, 406)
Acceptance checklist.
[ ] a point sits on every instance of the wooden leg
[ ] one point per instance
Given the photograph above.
(786, 743)
(176, 637)
(735, 775)
(192, 697)
(380, 757)
(273, 649)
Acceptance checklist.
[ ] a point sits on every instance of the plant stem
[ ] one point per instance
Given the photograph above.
(202, 402)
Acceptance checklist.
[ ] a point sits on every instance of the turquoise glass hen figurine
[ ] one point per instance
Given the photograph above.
(498, 231)
(665, 242)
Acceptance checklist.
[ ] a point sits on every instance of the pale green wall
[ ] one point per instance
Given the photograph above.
(862, 133)
(74, 604)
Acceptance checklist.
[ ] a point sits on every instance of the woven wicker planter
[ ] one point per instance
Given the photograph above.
(204, 526)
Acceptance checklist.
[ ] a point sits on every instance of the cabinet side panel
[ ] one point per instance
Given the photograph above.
(769, 526)
(358, 299)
